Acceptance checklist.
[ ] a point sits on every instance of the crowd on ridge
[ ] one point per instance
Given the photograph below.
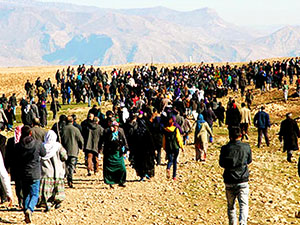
(151, 110)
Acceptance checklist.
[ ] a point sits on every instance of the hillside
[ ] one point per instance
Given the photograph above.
(198, 197)
(59, 34)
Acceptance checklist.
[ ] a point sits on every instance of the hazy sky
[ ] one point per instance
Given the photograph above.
(241, 12)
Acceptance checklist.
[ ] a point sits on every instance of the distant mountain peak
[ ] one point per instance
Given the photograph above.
(206, 10)
(63, 33)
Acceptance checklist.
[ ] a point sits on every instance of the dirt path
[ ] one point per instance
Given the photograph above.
(197, 197)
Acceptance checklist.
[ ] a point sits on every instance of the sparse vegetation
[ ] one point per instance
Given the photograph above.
(197, 197)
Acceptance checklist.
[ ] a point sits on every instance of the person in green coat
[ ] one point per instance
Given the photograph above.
(115, 146)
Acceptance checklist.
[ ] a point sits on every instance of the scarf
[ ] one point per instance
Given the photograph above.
(51, 145)
(200, 121)
(18, 133)
(115, 136)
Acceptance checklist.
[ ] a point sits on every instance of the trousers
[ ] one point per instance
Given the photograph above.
(31, 189)
(240, 192)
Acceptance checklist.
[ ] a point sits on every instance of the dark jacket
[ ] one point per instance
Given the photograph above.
(262, 120)
(111, 147)
(234, 158)
(220, 113)
(289, 132)
(233, 117)
(210, 117)
(78, 126)
(71, 140)
(28, 152)
(38, 133)
(92, 137)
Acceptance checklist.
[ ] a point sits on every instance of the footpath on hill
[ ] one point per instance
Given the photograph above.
(197, 197)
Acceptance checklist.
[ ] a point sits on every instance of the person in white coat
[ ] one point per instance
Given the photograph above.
(5, 180)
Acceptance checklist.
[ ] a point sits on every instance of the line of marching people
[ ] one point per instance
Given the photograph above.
(40, 160)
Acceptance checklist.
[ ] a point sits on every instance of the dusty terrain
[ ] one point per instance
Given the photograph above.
(197, 197)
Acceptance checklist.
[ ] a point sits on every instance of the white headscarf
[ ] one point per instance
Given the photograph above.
(50, 144)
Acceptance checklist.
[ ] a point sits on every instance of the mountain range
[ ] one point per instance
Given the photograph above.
(36, 33)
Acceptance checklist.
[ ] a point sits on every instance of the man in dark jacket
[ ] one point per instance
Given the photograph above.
(72, 141)
(37, 132)
(28, 152)
(92, 143)
(289, 133)
(13, 102)
(262, 122)
(234, 158)
(220, 114)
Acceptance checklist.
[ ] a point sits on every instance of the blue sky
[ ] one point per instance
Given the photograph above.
(241, 12)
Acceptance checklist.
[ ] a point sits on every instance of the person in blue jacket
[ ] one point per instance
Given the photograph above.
(262, 122)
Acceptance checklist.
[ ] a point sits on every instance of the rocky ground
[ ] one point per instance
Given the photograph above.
(197, 197)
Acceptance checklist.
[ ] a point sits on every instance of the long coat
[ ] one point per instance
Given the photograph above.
(72, 140)
(289, 132)
(54, 167)
(93, 133)
(114, 170)
(202, 136)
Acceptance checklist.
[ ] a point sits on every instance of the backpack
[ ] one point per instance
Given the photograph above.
(171, 141)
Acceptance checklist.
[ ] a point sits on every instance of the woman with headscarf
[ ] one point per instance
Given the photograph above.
(52, 191)
(115, 146)
(144, 150)
(202, 132)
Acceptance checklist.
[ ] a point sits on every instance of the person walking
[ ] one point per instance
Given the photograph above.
(92, 134)
(289, 134)
(262, 122)
(72, 141)
(285, 90)
(5, 181)
(172, 142)
(52, 191)
(54, 107)
(115, 146)
(144, 150)
(245, 120)
(202, 132)
(220, 113)
(28, 153)
(235, 158)
(13, 102)
(12, 165)
(3, 119)
(37, 132)
(249, 98)
(233, 116)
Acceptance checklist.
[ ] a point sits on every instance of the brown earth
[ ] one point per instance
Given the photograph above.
(197, 197)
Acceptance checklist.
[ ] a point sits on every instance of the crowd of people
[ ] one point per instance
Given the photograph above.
(151, 110)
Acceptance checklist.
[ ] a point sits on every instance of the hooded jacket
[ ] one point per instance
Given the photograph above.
(172, 139)
(92, 137)
(28, 152)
